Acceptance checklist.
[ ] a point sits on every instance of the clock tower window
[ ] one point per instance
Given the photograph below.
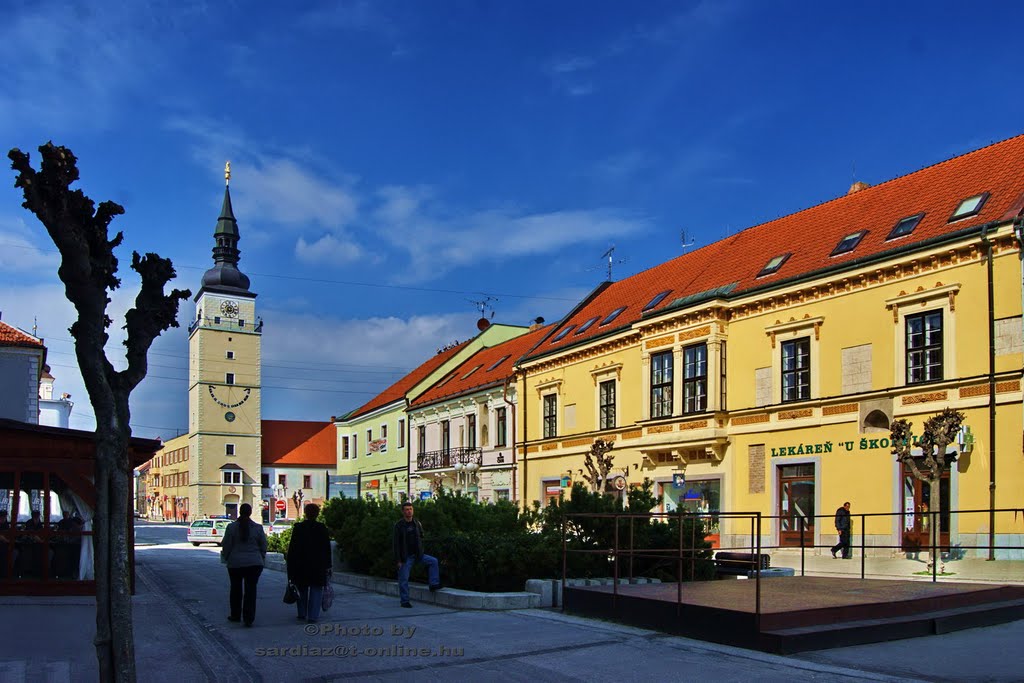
(230, 355)
(229, 449)
(229, 378)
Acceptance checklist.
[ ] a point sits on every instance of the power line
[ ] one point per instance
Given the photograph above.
(347, 283)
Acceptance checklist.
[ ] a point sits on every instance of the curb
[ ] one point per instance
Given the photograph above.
(454, 598)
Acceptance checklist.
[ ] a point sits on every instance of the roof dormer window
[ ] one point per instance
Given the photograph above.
(561, 335)
(612, 316)
(466, 376)
(657, 299)
(905, 226)
(848, 243)
(774, 265)
(969, 207)
(586, 326)
(497, 363)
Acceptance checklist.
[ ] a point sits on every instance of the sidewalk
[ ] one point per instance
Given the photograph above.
(181, 631)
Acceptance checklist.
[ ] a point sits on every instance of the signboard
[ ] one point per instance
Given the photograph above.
(619, 482)
(342, 485)
(426, 495)
(378, 446)
(553, 490)
(373, 484)
(281, 505)
(566, 482)
(692, 494)
(678, 480)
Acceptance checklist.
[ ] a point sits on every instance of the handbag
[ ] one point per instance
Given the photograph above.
(328, 597)
(291, 594)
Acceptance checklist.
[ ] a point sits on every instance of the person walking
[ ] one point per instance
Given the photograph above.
(243, 550)
(309, 562)
(843, 527)
(408, 545)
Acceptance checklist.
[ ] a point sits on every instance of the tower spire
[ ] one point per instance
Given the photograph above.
(225, 275)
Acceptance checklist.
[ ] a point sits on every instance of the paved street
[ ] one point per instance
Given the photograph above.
(181, 630)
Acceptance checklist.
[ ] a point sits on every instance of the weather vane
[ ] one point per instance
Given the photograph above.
(227, 173)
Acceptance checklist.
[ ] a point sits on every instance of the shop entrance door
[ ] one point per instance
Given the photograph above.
(796, 502)
(916, 520)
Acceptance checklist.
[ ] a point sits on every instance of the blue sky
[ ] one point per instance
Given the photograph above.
(395, 161)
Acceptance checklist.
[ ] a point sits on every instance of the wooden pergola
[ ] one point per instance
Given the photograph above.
(47, 491)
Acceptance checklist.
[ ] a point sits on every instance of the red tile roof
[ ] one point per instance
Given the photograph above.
(12, 336)
(291, 443)
(733, 264)
(399, 389)
(485, 367)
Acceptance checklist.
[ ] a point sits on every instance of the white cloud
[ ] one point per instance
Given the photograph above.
(437, 242)
(328, 250)
(21, 252)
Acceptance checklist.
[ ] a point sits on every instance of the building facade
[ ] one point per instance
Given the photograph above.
(463, 427)
(761, 373)
(373, 439)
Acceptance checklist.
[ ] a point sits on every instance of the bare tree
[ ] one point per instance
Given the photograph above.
(88, 267)
(598, 464)
(939, 431)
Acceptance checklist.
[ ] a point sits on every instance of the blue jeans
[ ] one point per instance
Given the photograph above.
(433, 574)
(309, 601)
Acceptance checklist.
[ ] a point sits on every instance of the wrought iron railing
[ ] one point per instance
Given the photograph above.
(436, 460)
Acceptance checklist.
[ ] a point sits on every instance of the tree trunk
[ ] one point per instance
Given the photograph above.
(934, 517)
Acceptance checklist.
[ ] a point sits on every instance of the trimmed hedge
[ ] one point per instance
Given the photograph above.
(497, 547)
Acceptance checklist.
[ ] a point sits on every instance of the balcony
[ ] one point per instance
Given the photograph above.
(228, 324)
(446, 459)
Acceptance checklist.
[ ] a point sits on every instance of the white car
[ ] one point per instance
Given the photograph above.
(207, 531)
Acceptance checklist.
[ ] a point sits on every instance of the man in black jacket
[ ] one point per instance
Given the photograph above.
(408, 544)
(843, 527)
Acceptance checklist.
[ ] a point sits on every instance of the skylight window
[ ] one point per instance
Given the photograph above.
(497, 363)
(613, 315)
(969, 207)
(849, 243)
(471, 372)
(561, 335)
(446, 379)
(586, 326)
(657, 300)
(774, 265)
(905, 226)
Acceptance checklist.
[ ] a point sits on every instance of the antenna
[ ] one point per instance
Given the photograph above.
(484, 322)
(608, 255)
(683, 239)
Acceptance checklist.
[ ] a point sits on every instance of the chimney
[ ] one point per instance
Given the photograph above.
(857, 187)
(537, 322)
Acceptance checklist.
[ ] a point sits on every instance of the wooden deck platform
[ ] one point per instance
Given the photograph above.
(801, 612)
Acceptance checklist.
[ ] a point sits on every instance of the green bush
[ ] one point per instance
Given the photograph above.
(278, 543)
(497, 547)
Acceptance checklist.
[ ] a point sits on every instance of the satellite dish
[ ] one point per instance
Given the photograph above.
(482, 324)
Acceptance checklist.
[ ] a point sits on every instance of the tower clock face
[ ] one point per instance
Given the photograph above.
(229, 309)
(229, 395)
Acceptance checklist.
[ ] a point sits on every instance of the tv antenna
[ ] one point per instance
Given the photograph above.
(485, 321)
(611, 260)
(686, 240)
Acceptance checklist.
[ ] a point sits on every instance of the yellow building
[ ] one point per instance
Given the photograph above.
(167, 482)
(761, 373)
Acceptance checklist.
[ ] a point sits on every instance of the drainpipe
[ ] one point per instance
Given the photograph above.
(991, 399)
(512, 414)
(526, 414)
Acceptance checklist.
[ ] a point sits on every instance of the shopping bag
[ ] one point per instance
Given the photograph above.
(291, 594)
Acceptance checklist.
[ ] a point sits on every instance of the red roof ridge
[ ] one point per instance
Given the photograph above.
(12, 336)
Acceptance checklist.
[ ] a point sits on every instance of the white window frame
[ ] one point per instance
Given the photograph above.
(229, 378)
(229, 449)
(941, 298)
(790, 331)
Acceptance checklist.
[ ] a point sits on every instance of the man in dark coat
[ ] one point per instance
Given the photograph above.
(309, 562)
(408, 545)
(843, 527)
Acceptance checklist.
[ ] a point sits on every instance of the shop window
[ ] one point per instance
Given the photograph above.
(552, 489)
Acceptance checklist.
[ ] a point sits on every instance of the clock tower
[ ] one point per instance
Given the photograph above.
(224, 382)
